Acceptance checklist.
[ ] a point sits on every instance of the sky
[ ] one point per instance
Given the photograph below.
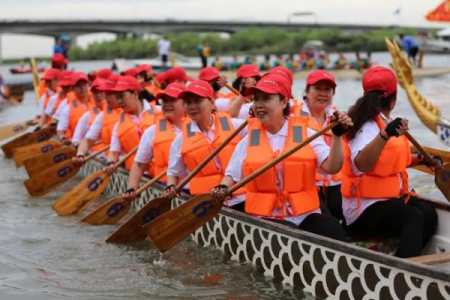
(377, 12)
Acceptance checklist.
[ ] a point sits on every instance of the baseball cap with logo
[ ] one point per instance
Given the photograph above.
(282, 71)
(379, 79)
(272, 84)
(65, 78)
(177, 74)
(209, 73)
(103, 73)
(132, 72)
(247, 71)
(98, 84)
(79, 76)
(51, 74)
(110, 83)
(200, 88)
(172, 90)
(127, 83)
(161, 77)
(59, 60)
(320, 75)
(143, 68)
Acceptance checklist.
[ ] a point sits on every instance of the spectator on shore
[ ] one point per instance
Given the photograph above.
(164, 50)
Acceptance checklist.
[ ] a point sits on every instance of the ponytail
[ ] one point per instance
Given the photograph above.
(367, 108)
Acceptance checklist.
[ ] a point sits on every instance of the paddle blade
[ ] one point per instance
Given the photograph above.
(171, 228)
(49, 179)
(28, 139)
(23, 153)
(132, 230)
(10, 130)
(79, 198)
(108, 213)
(42, 162)
(442, 180)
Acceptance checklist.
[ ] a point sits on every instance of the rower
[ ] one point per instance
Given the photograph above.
(65, 85)
(375, 195)
(76, 106)
(98, 93)
(247, 76)
(103, 125)
(286, 193)
(318, 96)
(59, 62)
(145, 75)
(154, 148)
(136, 117)
(51, 79)
(177, 74)
(204, 131)
(341, 62)
(217, 82)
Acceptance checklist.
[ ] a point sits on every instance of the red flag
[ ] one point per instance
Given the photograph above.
(441, 13)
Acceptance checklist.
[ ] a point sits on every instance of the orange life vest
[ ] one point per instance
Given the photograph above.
(196, 148)
(59, 99)
(164, 136)
(42, 87)
(152, 88)
(298, 172)
(383, 181)
(129, 133)
(77, 110)
(94, 111)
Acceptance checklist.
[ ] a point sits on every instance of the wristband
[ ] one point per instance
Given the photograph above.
(169, 187)
(384, 138)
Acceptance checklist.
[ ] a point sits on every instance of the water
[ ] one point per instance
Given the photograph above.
(43, 256)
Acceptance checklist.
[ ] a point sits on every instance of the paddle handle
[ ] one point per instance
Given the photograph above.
(96, 153)
(210, 157)
(274, 162)
(236, 92)
(127, 156)
(151, 182)
(422, 151)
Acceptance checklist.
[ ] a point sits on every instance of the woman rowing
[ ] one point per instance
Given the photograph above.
(98, 94)
(376, 199)
(203, 132)
(103, 125)
(286, 193)
(247, 76)
(318, 97)
(154, 147)
(217, 82)
(65, 84)
(51, 78)
(136, 117)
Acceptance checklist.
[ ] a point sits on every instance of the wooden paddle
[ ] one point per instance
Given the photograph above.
(432, 259)
(28, 139)
(10, 130)
(23, 153)
(445, 155)
(114, 209)
(171, 228)
(49, 179)
(442, 172)
(236, 92)
(79, 198)
(44, 161)
(132, 230)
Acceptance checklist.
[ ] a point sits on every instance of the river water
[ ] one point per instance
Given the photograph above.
(43, 256)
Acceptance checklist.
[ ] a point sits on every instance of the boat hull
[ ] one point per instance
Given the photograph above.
(320, 266)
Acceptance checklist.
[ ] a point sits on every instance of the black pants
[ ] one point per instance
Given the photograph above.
(415, 223)
(239, 207)
(332, 197)
(412, 53)
(320, 224)
(204, 60)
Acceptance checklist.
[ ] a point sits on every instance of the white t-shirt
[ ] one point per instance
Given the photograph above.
(276, 142)
(58, 112)
(177, 167)
(362, 138)
(163, 47)
(63, 118)
(145, 151)
(41, 107)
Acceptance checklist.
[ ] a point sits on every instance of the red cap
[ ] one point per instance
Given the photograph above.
(51, 74)
(78, 76)
(131, 72)
(209, 73)
(98, 84)
(247, 71)
(172, 90)
(272, 84)
(161, 77)
(103, 73)
(65, 78)
(177, 73)
(127, 83)
(379, 79)
(320, 75)
(110, 83)
(144, 68)
(283, 71)
(59, 60)
(200, 88)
